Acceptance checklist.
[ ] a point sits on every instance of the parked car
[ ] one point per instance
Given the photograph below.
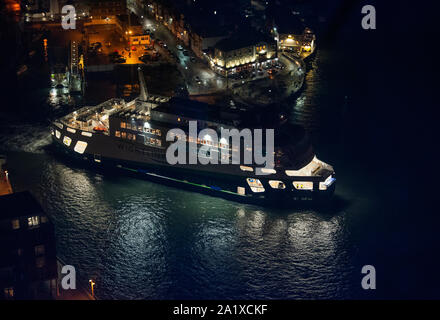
(197, 79)
(179, 47)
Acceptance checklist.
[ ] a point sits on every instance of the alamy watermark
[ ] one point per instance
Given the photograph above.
(369, 280)
(68, 18)
(369, 20)
(224, 150)
(68, 282)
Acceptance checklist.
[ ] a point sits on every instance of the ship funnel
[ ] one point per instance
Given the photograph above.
(142, 86)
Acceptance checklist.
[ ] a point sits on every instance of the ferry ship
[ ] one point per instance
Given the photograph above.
(131, 137)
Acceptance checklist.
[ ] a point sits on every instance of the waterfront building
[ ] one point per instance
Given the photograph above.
(243, 51)
(28, 264)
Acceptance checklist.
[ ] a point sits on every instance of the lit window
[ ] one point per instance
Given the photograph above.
(39, 250)
(118, 134)
(15, 224)
(255, 184)
(245, 168)
(80, 147)
(67, 141)
(33, 221)
(59, 125)
(276, 184)
(327, 183)
(57, 134)
(123, 125)
(123, 135)
(71, 130)
(241, 191)
(268, 171)
(87, 134)
(303, 185)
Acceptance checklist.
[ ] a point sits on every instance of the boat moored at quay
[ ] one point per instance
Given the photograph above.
(132, 137)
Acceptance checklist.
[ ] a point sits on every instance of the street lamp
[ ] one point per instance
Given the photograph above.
(92, 284)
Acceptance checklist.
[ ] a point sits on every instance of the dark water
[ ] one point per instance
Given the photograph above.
(141, 240)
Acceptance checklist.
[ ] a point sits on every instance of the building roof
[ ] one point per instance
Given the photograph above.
(243, 39)
(19, 204)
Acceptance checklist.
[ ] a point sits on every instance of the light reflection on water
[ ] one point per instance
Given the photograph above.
(142, 240)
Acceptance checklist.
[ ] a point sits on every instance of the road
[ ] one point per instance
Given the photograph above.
(210, 82)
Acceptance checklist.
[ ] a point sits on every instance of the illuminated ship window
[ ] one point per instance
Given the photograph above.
(327, 183)
(71, 130)
(57, 134)
(276, 184)
(268, 171)
(303, 185)
(245, 168)
(87, 134)
(241, 191)
(80, 147)
(67, 141)
(255, 184)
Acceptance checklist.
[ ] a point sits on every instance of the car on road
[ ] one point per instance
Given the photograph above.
(165, 45)
(179, 47)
